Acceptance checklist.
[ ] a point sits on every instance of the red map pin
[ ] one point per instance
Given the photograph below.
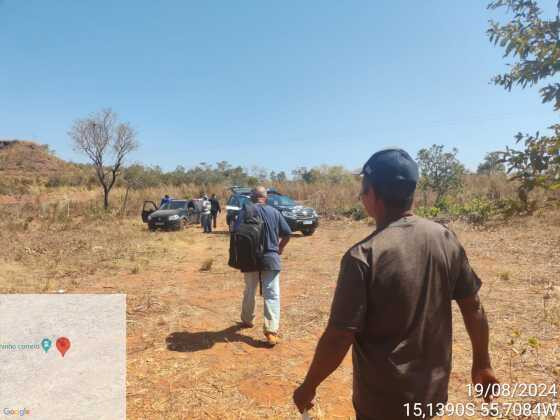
(63, 345)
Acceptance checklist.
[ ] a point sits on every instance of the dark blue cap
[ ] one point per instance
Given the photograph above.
(392, 172)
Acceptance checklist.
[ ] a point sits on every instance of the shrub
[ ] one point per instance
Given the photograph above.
(427, 212)
(356, 212)
(509, 207)
(478, 211)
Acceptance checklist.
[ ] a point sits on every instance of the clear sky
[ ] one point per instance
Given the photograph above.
(274, 84)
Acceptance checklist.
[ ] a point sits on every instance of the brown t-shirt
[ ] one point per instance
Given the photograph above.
(395, 290)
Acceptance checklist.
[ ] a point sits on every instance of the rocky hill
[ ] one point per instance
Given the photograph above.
(23, 158)
(24, 164)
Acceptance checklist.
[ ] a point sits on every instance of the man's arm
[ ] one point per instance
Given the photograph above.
(284, 231)
(330, 352)
(348, 312)
(477, 327)
(283, 242)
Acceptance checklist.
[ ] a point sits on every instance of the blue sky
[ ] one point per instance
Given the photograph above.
(273, 84)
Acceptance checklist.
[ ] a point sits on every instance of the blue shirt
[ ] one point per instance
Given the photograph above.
(275, 227)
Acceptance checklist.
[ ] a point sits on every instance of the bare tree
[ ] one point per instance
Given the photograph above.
(102, 138)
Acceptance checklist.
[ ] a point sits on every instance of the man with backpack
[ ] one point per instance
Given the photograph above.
(259, 237)
(393, 305)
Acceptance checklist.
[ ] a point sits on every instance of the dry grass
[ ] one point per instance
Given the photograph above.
(186, 357)
(61, 254)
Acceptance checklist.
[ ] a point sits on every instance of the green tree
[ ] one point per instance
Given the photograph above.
(440, 171)
(278, 177)
(306, 175)
(533, 41)
(492, 164)
(331, 174)
(139, 176)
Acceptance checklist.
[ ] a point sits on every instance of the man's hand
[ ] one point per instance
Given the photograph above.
(331, 349)
(487, 378)
(303, 397)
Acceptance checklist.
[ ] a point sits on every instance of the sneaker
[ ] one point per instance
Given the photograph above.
(271, 338)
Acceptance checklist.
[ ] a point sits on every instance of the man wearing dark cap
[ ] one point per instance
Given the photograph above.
(393, 304)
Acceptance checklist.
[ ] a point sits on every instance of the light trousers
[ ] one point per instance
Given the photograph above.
(271, 294)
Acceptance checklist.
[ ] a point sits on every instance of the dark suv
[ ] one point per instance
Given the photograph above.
(299, 218)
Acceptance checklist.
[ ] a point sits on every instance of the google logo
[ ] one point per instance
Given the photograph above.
(20, 412)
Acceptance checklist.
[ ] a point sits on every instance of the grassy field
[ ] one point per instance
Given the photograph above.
(187, 358)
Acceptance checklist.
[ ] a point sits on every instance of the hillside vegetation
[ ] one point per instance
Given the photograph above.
(26, 166)
(39, 185)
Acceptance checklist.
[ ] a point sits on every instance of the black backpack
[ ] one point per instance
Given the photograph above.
(246, 246)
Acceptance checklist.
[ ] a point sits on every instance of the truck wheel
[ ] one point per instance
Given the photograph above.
(151, 228)
(184, 224)
(308, 232)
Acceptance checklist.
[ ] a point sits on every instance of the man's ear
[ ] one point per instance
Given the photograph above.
(376, 201)
(372, 194)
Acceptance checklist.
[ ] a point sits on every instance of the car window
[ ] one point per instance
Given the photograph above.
(173, 205)
(273, 201)
(281, 200)
(237, 200)
(233, 201)
(149, 206)
(243, 200)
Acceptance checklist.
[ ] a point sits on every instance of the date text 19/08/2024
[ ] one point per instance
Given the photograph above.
(515, 390)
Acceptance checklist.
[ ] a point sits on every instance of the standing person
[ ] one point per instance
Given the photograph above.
(190, 211)
(166, 199)
(197, 205)
(205, 214)
(393, 305)
(215, 209)
(276, 234)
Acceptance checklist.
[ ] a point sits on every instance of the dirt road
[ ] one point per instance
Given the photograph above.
(188, 359)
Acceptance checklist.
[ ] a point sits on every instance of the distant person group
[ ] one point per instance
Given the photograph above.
(202, 210)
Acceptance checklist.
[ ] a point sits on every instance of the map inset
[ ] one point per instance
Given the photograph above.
(63, 356)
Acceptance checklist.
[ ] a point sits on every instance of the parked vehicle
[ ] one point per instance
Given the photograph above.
(239, 196)
(171, 215)
(299, 218)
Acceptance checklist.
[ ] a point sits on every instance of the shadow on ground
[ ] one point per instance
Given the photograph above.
(185, 341)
